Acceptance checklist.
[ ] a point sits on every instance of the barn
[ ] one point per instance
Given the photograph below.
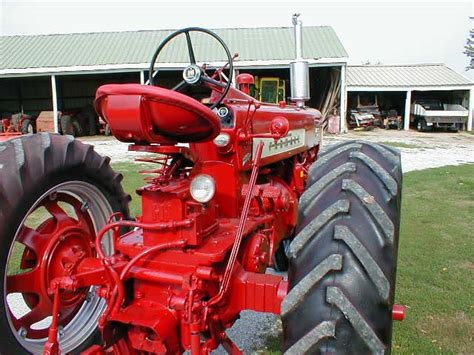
(60, 73)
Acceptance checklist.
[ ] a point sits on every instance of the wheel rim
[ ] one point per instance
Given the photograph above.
(65, 220)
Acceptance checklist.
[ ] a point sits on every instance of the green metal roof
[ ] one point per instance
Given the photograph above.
(404, 75)
(109, 48)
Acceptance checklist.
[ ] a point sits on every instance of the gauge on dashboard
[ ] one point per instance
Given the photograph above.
(226, 116)
(223, 111)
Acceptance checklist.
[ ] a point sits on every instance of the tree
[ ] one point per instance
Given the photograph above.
(470, 48)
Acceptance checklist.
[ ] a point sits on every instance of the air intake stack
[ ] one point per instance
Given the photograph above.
(299, 70)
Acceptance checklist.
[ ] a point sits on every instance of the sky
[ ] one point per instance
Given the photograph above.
(376, 32)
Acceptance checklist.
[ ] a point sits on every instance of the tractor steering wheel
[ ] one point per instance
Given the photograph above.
(193, 74)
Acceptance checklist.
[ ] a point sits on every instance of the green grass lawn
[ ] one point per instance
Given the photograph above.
(436, 262)
(436, 259)
(132, 180)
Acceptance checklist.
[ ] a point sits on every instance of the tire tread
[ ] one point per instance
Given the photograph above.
(350, 211)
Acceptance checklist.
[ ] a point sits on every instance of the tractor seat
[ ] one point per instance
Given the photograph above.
(146, 114)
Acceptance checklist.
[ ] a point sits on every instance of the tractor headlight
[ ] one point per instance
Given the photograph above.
(203, 188)
(222, 140)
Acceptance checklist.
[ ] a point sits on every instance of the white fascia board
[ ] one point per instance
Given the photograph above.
(137, 67)
(94, 69)
(408, 88)
(328, 63)
(285, 64)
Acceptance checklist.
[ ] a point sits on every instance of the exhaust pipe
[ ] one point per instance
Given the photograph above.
(299, 69)
(298, 32)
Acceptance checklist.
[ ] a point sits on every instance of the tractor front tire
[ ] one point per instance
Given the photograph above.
(49, 185)
(67, 126)
(107, 130)
(342, 262)
(421, 125)
(71, 126)
(456, 128)
(280, 258)
(28, 126)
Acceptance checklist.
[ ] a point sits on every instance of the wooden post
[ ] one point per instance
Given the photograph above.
(343, 101)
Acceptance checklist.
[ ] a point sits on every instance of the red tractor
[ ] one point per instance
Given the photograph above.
(18, 123)
(251, 191)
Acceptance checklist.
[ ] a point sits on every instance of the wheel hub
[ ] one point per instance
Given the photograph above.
(65, 250)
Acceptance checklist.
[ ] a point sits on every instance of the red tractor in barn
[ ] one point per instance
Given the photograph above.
(251, 190)
(18, 123)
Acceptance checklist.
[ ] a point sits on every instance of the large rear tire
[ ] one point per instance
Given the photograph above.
(55, 194)
(343, 259)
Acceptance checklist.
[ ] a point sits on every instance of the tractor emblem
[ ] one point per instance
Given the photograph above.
(192, 74)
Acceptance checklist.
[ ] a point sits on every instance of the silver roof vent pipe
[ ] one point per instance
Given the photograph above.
(299, 69)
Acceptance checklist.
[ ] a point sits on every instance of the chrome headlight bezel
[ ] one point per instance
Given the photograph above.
(202, 188)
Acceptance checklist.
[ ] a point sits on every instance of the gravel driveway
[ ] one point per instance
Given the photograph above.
(419, 151)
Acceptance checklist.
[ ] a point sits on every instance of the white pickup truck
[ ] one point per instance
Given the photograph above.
(430, 113)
